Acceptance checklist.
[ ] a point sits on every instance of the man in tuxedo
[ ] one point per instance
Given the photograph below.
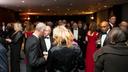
(112, 21)
(79, 38)
(34, 52)
(46, 40)
(105, 29)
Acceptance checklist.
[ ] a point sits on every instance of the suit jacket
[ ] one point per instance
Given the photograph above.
(106, 41)
(34, 52)
(80, 35)
(43, 44)
(2, 41)
(3, 59)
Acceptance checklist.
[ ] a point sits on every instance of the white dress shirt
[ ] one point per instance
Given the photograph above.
(103, 37)
(48, 43)
(75, 33)
(3, 28)
(111, 25)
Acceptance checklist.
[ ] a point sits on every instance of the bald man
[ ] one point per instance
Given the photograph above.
(105, 29)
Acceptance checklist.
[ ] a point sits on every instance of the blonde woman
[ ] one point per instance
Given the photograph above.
(16, 42)
(64, 56)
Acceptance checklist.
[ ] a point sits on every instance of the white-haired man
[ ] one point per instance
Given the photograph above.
(34, 52)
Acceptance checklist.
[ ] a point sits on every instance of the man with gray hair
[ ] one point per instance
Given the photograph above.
(34, 52)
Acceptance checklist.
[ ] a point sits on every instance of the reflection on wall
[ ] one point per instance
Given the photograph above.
(102, 15)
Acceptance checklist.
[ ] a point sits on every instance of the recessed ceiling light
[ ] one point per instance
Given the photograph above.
(70, 4)
(105, 6)
(68, 9)
(48, 9)
(65, 14)
(22, 1)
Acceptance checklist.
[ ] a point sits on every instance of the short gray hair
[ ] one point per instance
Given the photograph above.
(40, 26)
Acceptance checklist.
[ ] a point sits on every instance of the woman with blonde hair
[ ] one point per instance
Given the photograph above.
(65, 55)
(15, 45)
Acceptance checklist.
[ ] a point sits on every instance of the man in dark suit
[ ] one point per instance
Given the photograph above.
(34, 52)
(79, 38)
(105, 29)
(3, 59)
(46, 40)
(112, 21)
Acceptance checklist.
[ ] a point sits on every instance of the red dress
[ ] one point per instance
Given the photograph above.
(27, 34)
(91, 48)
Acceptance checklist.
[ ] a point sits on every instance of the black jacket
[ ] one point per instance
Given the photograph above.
(15, 48)
(34, 53)
(3, 59)
(112, 58)
(63, 59)
(43, 44)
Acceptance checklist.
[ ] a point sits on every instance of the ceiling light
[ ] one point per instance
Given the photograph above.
(65, 14)
(84, 12)
(48, 9)
(105, 6)
(28, 18)
(68, 9)
(92, 17)
(22, 1)
(70, 4)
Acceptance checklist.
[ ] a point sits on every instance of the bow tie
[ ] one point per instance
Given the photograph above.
(103, 33)
(47, 37)
(75, 29)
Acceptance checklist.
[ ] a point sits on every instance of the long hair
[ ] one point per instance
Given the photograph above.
(62, 35)
(93, 27)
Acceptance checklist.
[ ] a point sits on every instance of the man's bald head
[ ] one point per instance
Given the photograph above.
(104, 26)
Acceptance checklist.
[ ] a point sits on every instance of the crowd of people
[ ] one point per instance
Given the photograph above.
(65, 46)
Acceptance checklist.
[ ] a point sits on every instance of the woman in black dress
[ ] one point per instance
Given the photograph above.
(15, 47)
